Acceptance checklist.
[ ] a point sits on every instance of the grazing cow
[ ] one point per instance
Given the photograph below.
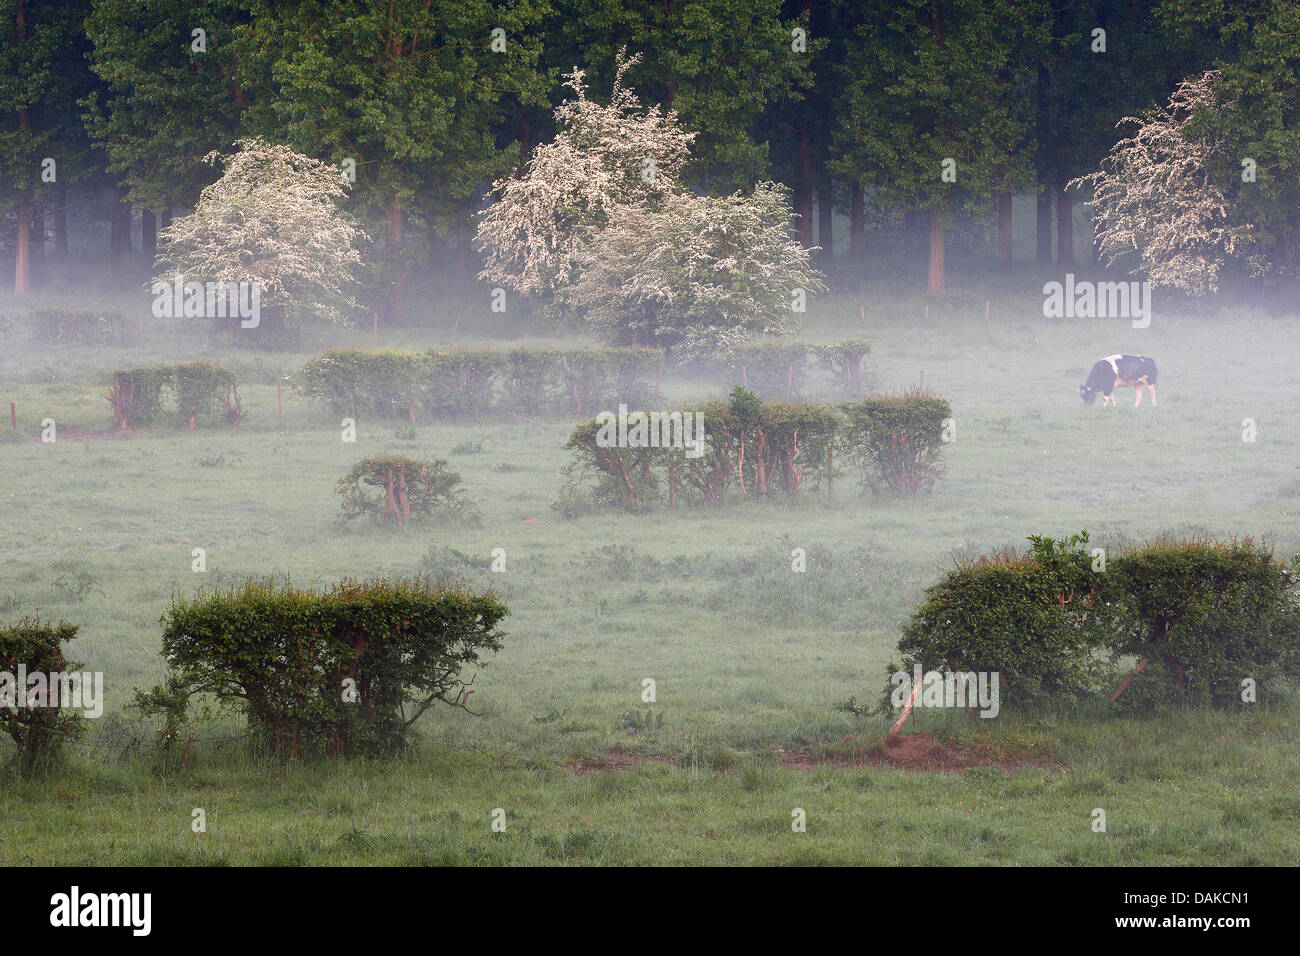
(1117, 370)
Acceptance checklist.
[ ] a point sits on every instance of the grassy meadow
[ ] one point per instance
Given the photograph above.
(749, 659)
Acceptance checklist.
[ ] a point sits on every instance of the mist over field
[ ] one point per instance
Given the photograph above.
(631, 434)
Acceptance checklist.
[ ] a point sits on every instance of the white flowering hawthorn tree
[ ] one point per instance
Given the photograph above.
(697, 275)
(273, 218)
(1157, 194)
(601, 226)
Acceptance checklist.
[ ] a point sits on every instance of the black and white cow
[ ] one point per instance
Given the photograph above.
(1119, 370)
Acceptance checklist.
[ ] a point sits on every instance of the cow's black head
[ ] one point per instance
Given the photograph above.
(1088, 394)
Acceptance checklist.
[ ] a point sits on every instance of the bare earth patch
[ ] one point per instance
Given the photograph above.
(918, 753)
(618, 760)
(914, 752)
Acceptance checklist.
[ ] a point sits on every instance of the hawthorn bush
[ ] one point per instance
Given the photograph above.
(1202, 616)
(1208, 614)
(38, 732)
(397, 490)
(750, 448)
(845, 361)
(899, 438)
(136, 396)
(197, 389)
(345, 671)
(1032, 618)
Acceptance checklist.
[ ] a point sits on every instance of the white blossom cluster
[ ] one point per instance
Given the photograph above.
(273, 219)
(600, 225)
(1155, 194)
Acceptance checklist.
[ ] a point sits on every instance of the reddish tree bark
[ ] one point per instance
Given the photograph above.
(393, 214)
(804, 196)
(936, 283)
(22, 259)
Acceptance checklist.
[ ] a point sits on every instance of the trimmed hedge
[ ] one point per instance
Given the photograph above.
(899, 438)
(38, 732)
(1032, 618)
(78, 327)
(523, 382)
(345, 671)
(779, 369)
(1210, 613)
(1207, 614)
(197, 390)
(529, 381)
(752, 447)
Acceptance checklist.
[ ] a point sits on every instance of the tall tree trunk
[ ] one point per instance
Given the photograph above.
(804, 195)
(1045, 226)
(1064, 227)
(148, 239)
(22, 252)
(61, 220)
(857, 227)
(393, 213)
(826, 220)
(22, 258)
(117, 241)
(165, 219)
(38, 243)
(1004, 229)
(937, 277)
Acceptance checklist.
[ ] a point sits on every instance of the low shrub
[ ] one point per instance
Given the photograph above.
(397, 490)
(38, 731)
(204, 389)
(345, 671)
(770, 369)
(1202, 615)
(136, 396)
(898, 438)
(845, 361)
(1210, 613)
(1032, 618)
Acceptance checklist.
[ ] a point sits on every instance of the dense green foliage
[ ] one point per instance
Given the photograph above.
(748, 448)
(197, 390)
(900, 438)
(37, 731)
(854, 106)
(331, 671)
(526, 382)
(1207, 618)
